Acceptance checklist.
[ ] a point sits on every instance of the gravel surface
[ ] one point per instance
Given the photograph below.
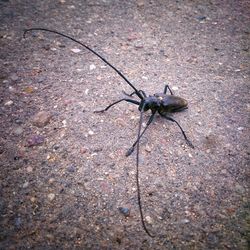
(65, 180)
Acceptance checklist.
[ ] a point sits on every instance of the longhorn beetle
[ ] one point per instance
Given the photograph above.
(159, 102)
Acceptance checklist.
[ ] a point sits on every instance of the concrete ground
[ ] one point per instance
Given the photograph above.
(65, 180)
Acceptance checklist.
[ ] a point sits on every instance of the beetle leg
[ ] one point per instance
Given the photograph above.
(130, 151)
(112, 104)
(172, 120)
(140, 91)
(166, 88)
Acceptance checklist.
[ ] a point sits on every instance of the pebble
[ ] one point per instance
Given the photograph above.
(201, 18)
(132, 36)
(149, 220)
(184, 221)
(41, 119)
(18, 131)
(18, 222)
(148, 148)
(138, 45)
(8, 103)
(64, 122)
(90, 132)
(26, 184)
(71, 169)
(29, 169)
(41, 79)
(35, 140)
(32, 199)
(11, 89)
(51, 180)
(14, 77)
(28, 90)
(76, 50)
(239, 189)
(92, 67)
(125, 211)
(83, 150)
(51, 196)
(18, 121)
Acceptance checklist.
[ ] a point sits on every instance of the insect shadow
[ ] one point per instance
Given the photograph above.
(161, 103)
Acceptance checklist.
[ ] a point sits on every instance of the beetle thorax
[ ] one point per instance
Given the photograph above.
(150, 102)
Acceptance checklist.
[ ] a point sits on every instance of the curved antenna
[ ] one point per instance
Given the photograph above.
(137, 175)
(85, 46)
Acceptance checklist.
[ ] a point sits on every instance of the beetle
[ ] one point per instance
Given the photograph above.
(161, 103)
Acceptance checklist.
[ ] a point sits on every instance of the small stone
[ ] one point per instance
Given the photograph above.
(83, 150)
(26, 184)
(11, 89)
(76, 50)
(32, 199)
(18, 222)
(140, 3)
(92, 67)
(240, 128)
(224, 171)
(239, 189)
(8, 103)
(71, 168)
(29, 169)
(138, 45)
(41, 119)
(51, 196)
(18, 131)
(175, 88)
(14, 77)
(64, 122)
(35, 140)
(148, 148)
(184, 221)
(41, 79)
(90, 132)
(125, 211)
(149, 220)
(28, 90)
(132, 36)
(51, 180)
(200, 18)
(18, 121)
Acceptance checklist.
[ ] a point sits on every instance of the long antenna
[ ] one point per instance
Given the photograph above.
(85, 46)
(137, 175)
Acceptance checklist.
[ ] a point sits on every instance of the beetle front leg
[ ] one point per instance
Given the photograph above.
(140, 91)
(166, 88)
(112, 104)
(131, 150)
